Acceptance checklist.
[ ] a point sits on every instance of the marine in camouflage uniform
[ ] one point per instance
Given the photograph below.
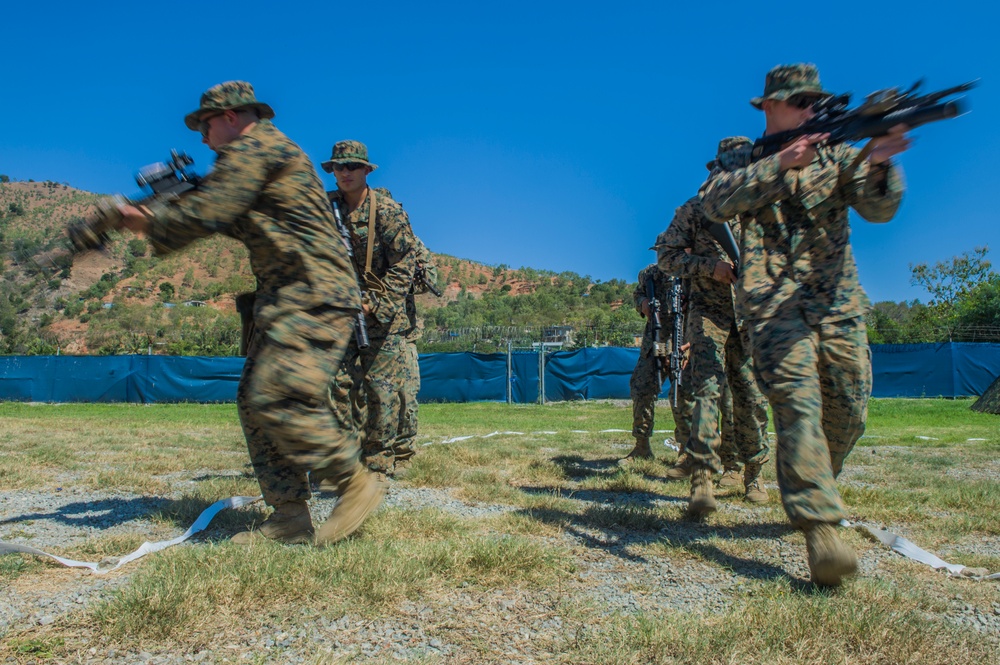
(719, 352)
(383, 247)
(799, 292)
(643, 386)
(264, 192)
(409, 366)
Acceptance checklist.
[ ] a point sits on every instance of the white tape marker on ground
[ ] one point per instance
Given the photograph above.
(203, 520)
(905, 547)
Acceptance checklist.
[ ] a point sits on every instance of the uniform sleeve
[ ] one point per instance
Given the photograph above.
(680, 236)
(639, 292)
(399, 244)
(727, 194)
(874, 191)
(423, 258)
(225, 195)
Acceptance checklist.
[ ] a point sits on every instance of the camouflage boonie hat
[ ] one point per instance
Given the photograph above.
(348, 151)
(725, 145)
(224, 97)
(785, 81)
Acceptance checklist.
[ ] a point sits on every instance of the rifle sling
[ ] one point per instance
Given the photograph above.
(372, 203)
(848, 173)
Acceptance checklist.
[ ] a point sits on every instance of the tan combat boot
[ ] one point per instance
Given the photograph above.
(641, 451)
(702, 501)
(289, 523)
(681, 468)
(730, 477)
(830, 560)
(756, 492)
(360, 495)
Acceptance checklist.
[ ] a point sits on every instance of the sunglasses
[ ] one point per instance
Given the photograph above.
(203, 126)
(802, 102)
(349, 166)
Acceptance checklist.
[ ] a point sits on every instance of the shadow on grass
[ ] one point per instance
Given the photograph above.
(622, 519)
(103, 513)
(181, 513)
(575, 466)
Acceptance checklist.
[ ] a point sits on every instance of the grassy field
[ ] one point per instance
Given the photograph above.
(567, 515)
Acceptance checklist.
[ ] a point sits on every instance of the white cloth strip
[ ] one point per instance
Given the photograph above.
(203, 520)
(905, 547)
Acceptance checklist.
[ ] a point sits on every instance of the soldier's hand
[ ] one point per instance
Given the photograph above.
(893, 143)
(685, 348)
(134, 219)
(800, 152)
(644, 308)
(724, 272)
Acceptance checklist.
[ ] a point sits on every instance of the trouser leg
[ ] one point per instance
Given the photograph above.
(283, 403)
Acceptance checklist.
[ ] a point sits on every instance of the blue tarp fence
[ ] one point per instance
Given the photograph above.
(900, 370)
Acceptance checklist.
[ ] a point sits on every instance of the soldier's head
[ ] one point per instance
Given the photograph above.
(349, 163)
(226, 112)
(789, 94)
(728, 144)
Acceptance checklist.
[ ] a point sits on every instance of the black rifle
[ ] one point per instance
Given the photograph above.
(361, 326)
(244, 307)
(881, 111)
(659, 346)
(724, 236)
(420, 277)
(160, 181)
(675, 309)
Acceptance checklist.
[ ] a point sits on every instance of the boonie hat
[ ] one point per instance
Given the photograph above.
(784, 81)
(725, 145)
(225, 97)
(345, 152)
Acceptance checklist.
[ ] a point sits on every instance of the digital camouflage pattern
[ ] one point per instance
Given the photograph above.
(799, 291)
(375, 397)
(265, 193)
(224, 97)
(374, 370)
(643, 385)
(795, 234)
(729, 453)
(784, 81)
(818, 380)
(409, 370)
(409, 381)
(719, 352)
(393, 259)
(348, 151)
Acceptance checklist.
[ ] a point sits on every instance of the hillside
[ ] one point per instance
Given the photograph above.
(123, 300)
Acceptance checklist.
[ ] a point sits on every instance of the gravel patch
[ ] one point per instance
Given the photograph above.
(703, 568)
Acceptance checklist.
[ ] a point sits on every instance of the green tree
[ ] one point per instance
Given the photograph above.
(166, 291)
(951, 283)
(948, 281)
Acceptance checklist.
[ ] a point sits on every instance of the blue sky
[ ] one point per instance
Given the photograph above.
(544, 134)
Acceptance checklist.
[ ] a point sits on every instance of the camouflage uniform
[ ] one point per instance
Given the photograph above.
(409, 366)
(719, 351)
(264, 192)
(388, 284)
(643, 386)
(799, 292)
